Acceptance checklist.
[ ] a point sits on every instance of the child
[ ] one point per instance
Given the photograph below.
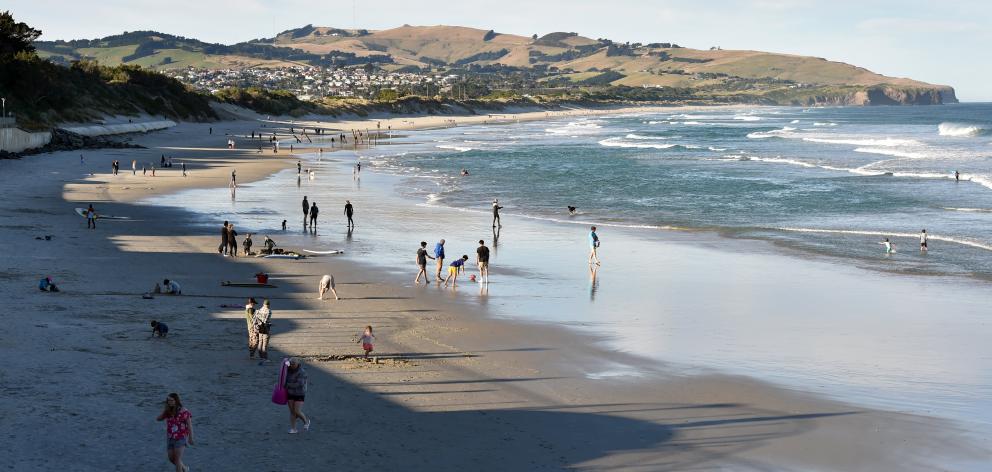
(159, 329)
(366, 341)
(889, 249)
(453, 269)
(47, 285)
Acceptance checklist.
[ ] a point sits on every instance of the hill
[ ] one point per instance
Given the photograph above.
(558, 60)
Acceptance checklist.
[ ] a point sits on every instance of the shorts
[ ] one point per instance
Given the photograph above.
(452, 270)
(923, 244)
(366, 347)
(422, 265)
(484, 265)
(295, 398)
(175, 443)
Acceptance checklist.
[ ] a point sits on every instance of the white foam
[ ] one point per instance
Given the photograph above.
(886, 142)
(454, 148)
(970, 210)
(617, 142)
(778, 133)
(820, 123)
(891, 152)
(935, 237)
(960, 129)
(747, 118)
(794, 122)
(638, 136)
(576, 128)
(716, 149)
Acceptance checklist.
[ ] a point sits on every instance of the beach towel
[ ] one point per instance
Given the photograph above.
(279, 394)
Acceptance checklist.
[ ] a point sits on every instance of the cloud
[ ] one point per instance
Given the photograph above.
(915, 25)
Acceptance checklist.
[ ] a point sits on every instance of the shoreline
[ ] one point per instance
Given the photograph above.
(513, 368)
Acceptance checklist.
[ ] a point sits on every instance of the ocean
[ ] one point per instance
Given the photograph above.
(734, 240)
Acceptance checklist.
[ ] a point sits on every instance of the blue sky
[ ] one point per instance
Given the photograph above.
(944, 42)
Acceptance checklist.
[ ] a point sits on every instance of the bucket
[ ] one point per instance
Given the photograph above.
(262, 278)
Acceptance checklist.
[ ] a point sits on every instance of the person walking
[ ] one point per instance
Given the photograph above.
(234, 178)
(313, 216)
(299, 168)
(306, 210)
(923, 240)
(296, 391)
(178, 430)
(349, 211)
(90, 217)
(183, 165)
(263, 325)
(422, 262)
(593, 246)
(482, 259)
(224, 234)
(439, 257)
(134, 167)
(252, 332)
(367, 339)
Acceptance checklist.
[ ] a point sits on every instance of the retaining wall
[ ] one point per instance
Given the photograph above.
(17, 140)
(120, 128)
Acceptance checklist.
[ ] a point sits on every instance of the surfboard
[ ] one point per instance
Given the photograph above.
(246, 284)
(283, 256)
(82, 212)
(324, 252)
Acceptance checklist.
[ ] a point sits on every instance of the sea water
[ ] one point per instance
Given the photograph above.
(681, 199)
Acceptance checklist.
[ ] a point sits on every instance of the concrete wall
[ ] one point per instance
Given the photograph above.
(121, 128)
(17, 140)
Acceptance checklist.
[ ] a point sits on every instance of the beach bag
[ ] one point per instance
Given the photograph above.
(279, 394)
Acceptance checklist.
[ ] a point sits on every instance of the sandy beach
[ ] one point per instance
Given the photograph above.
(453, 388)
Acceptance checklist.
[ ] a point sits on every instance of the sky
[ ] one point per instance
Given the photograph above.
(943, 42)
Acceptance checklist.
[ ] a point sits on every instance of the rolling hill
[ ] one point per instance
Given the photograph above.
(564, 59)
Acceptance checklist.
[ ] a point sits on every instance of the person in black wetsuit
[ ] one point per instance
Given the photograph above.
(224, 238)
(306, 210)
(496, 209)
(313, 216)
(349, 211)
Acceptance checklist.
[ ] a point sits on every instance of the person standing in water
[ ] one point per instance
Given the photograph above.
(306, 210)
(923, 240)
(313, 216)
(299, 168)
(349, 211)
(496, 209)
(439, 257)
(593, 246)
(889, 248)
(957, 176)
(482, 259)
(422, 257)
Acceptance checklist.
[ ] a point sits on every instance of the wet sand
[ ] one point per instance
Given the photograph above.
(453, 389)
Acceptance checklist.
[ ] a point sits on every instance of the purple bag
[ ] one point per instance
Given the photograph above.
(279, 394)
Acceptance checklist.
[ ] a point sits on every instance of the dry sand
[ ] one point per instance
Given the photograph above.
(453, 389)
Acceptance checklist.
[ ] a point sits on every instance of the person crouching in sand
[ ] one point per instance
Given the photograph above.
(366, 340)
(326, 283)
(178, 430)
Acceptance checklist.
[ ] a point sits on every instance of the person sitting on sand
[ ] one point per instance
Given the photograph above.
(47, 285)
(326, 283)
(159, 329)
(170, 287)
(366, 341)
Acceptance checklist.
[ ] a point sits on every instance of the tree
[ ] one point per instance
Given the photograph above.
(15, 37)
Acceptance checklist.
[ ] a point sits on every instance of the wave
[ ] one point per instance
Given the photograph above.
(638, 136)
(934, 237)
(793, 122)
(777, 133)
(819, 123)
(618, 142)
(970, 210)
(716, 149)
(886, 142)
(747, 118)
(961, 129)
(891, 152)
(454, 148)
(576, 127)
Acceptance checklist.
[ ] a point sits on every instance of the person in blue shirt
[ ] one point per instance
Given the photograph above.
(439, 255)
(593, 246)
(458, 265)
